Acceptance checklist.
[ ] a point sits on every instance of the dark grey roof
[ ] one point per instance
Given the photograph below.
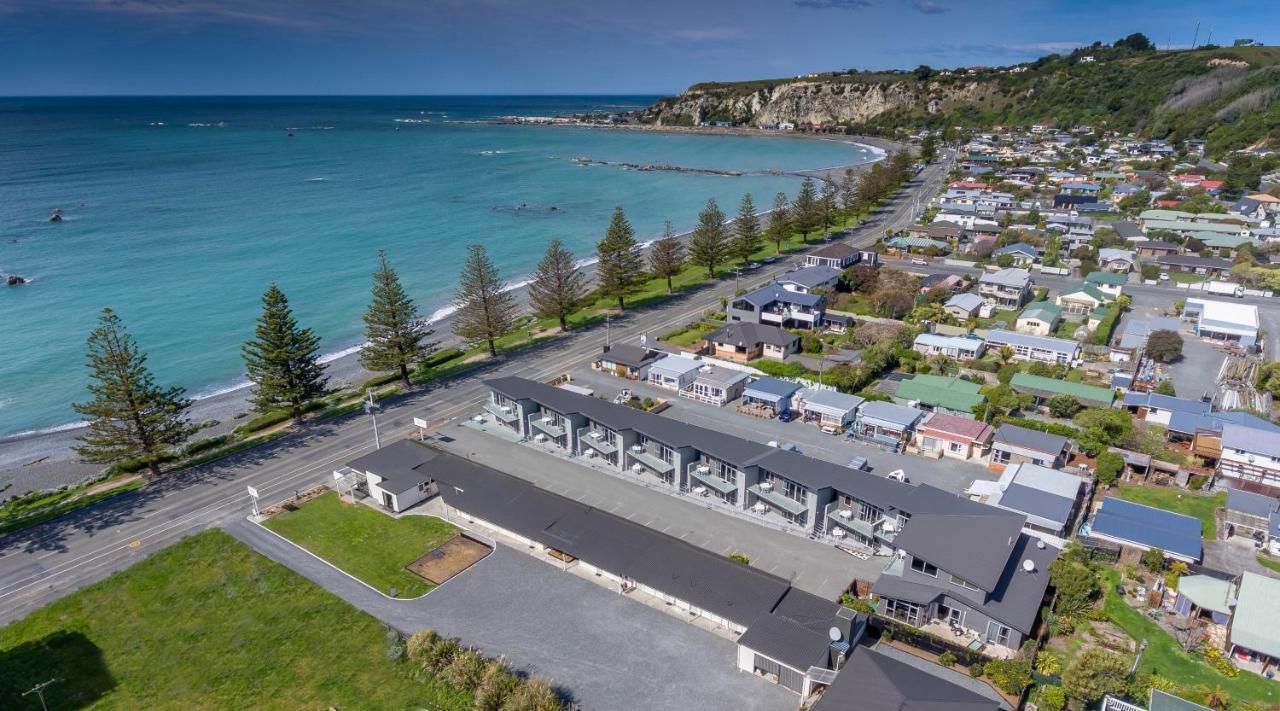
(810, 277)
(1191, 260)
(835, 250)
(745, 333)
(631, 356)
(973, 545)
(1160, 246)
(1126, 230)
(871, 681)
(1030, 439)
(1033, 501)
(795, 632)
(770, 293)
(1247, 502)
(731, 590)
(772, 386)
(397, 465)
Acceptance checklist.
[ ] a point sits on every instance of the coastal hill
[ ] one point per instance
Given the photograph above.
(1231, 96)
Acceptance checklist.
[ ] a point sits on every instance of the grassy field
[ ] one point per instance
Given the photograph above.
(1178, 501)
(365, 543)
(1270, 563)
(1186, 277)
(35, 509)
(687, 336)
(206, 624)
(1164, 656)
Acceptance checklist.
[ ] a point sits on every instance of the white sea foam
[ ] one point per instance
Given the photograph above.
(411, 120)
(65, 427)
(317, 180)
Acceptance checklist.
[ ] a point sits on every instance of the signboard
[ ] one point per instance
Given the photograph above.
(252, 491)
(419, 422)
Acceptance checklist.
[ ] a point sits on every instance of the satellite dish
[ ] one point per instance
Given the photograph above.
(643, 340)
(1040, 543)
(835, 634)
(1029, 565)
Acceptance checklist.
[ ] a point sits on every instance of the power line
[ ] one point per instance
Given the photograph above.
(38, 690)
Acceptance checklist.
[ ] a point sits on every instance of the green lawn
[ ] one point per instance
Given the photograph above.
(1186, 278)
(208, 624)
(1271, 563)
(687, 336)
(1164, 656)
(366, 543)
(35, 509)
(1178, 501)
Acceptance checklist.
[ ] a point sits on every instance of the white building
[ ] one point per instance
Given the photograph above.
(1223, 321)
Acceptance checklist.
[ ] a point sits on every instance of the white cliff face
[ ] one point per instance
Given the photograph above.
(810, 102)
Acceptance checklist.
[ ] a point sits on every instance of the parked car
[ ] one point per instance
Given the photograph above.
(919, 260)
(859, 463)
(753, 266)
(787, 416)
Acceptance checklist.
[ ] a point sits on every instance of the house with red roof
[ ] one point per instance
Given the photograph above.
(944, 435)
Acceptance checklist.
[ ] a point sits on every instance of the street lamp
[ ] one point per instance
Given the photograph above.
(371, 407)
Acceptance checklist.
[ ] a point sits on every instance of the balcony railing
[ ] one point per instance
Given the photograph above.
(703, 473)
(506, 413)
(651, 461)
(549, 428)
(777, 500)
(596, 440)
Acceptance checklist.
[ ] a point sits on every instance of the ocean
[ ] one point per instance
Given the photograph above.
(178, 212)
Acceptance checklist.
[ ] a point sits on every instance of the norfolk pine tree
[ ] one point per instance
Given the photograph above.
(558, 286)
(486, 310)
(666, 256)
(397, 337)
(746, 231)
(804, 210)
(827, 206)
(282, 359)
(130, 417)
(709, 243)
(620, 267)
(779, 228)
(848, 191)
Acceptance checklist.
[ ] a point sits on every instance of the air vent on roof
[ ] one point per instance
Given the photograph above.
(1029, 565)
(1040, 543)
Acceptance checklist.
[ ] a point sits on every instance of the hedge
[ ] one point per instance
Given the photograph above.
(780, 369)
(1050, 427)
(442, 356)
(1102, 335)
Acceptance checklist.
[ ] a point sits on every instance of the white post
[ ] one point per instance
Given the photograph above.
(370, 406)
(253, 496)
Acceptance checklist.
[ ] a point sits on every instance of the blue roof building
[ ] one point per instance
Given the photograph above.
(1146, 527)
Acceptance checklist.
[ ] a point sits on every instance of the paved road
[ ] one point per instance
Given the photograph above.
(44, 563)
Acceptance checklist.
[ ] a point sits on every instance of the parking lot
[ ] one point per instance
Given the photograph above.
(1196, 373)
(948, 474)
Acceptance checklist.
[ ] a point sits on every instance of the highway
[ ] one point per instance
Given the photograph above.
(41, 564)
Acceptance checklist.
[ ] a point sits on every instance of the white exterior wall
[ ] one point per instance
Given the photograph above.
(746, 659)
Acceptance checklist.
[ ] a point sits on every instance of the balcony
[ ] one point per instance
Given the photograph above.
(596, 441)
(547, 427)
(703, 474)
(643, 456)
(777, 500)
(504, 413)
(849, 520)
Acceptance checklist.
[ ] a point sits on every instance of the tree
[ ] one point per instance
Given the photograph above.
(1076, 584)
(827, 206)
(928, 149)
(558, 285)
(804, 211)
(619, 266)
(923, 72)
(1164, 346)
(1109, 467)
(746, 231)
(1052, 698)
(1064, 406)
(848, 191)
(1101, 426)
(486, 310)
(862, 278)
(1004, 399)
(1153, 559)
(282, 359)
(779, 228)
(1095, 673)
(891, 301)
(709, 243)
(1165, 387)
(397, 336)
(130, 416)
(1137, 42)
(666, 256)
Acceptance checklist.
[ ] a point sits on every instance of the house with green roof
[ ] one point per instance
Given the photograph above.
(1040, 318)
(939, 393)
(1107, 282)
(1043, 388)
(1080, 301)
(1213, 240)
(1254, 633)
(920, 244)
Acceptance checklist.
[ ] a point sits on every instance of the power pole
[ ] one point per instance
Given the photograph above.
(38, 690)
(1196, 38)
(371, 407)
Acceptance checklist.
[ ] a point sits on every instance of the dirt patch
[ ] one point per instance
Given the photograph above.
(452, 557)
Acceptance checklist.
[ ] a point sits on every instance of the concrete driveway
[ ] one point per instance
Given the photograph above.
(1197, 372)
(604, 649)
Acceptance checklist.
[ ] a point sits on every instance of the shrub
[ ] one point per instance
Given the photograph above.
(1052, 698)
(1109, 466)
(442, 356)
(1009, 675)
(395, 645)
(534, 695)
(857, 604)
(419, 644)
(742, 558)
(495, 687)
(261, 422)
(1066, 625)
(464, 671)
(204, 445)
(1048, 663)
(975, 670)
(1064, 406)
(947, 659)
(440, 655)
(1153, 560)
(1095, 673)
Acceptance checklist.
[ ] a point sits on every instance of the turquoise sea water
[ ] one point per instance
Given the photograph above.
(178, 212)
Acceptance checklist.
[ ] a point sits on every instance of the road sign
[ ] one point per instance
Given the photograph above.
(252, 491)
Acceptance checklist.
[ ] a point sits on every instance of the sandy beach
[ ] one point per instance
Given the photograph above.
(45, 460)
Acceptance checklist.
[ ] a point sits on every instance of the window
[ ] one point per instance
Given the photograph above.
(793, 491)
(922, 567)
(1001, 455)
(998, 633)
(955, 447)
(963, 583)
(905, 611)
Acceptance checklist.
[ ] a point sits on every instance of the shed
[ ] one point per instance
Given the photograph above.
(1257, 610)
(1146, 527)
(828, 407)
(674, 372)
(771, 392)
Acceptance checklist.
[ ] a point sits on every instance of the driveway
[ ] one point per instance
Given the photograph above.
(606, 650)
(1197, 372)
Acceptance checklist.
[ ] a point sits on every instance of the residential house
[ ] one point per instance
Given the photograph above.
(1119, 261)
(964, 306)
(828, 409)
(944, 435)
(1044, 389)
(772, 304)
(1012, 445)
(1020, 254)
(836, 255)
(1152, 249)
(1158, 409)
(1251, 456)
(1254, 516)
(886, 422)
(626, 361)
(1134, 332)
(1254, 636)
(918, 244)
(1045, 349)
(1048, 498)
(957, 347)
(1191, 264)
(396, 476)
(716, 385)
(773, 395)
(1144, 528)
(745, 341)
(874, 681)
(1079, 302)
(806, 280)
(967, 571)
(1109, 283)
(1006, 288)
(941, 232)
(1222, 321)
(949, 283)
(1040, 318)
(1157, 701)
(673, 372)
(937, 393)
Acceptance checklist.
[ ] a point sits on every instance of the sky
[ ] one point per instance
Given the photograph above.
(183, 47)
